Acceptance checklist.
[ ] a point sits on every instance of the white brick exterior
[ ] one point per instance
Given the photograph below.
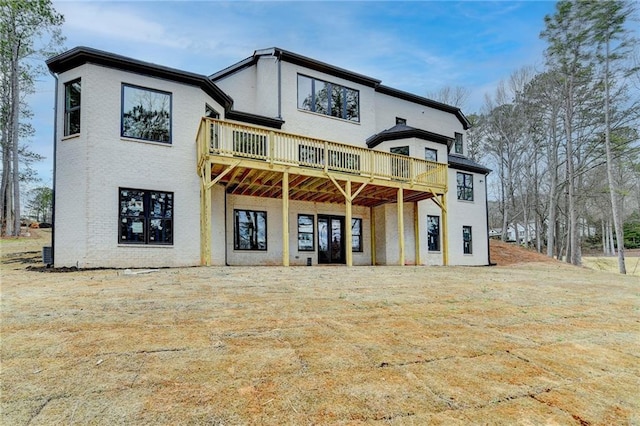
(93, 165)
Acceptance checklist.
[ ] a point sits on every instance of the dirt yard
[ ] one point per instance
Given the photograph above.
(538, 343)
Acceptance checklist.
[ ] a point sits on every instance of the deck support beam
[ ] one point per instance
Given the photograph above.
(205, 215)
(285, 219)
(348, 231)
(416, 231)
(401, 226)
(372, 215)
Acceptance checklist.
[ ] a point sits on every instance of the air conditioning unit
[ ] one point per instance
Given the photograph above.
(47, 255)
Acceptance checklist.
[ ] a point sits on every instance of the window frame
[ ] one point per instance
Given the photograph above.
(307, 233)
(431, 246)
(126, 86)
(400, 120)
(236, 230)
(434, 151)
(72, 110)
(464, 191)
(467, 239)
(148, 217)
(328, 108)
(458, 145)
(359, 248)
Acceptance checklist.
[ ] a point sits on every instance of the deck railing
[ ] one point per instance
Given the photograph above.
(218, 137)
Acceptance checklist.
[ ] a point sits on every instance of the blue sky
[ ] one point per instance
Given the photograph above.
(414, 46)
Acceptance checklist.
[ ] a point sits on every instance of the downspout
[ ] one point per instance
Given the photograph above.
(486, 200)
(279, 61)
(55, 149)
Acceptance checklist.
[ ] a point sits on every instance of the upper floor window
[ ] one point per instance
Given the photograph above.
(328, 98)
(431, 154)
(400, 120)
(146, 217)
(146, 114)
(209, 112)
(457, 147)
(465, 186)
(72, 107)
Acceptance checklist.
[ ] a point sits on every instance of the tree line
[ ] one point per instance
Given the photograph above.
(563, 141)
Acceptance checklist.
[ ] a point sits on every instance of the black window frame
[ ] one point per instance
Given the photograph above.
(169, 131)
(464, 189)
(72, 111)
(433, 233)
(329, 108)
(400, 120)
(303, 232)
(434, 151)
(458, 145)
(358, 236)
(467, 239)
(149, 216)
(236, 230)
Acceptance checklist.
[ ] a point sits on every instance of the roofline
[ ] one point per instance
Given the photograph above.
(409, 133)
(325, 68)
(81, 55)
(468, 166)
(426, 102)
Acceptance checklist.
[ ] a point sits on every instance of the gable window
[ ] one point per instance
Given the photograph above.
(457, 147)
(209, 112)
(250, 230)
(433, 233)
(146, 217)
(400, 120)
(72, 107)
(327, 98)
(356, 235)
(146, 114)
(465, 186)
(431, 154)
(306, 236)
(467, 243)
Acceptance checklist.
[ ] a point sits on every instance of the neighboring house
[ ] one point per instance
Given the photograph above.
(520, 237)
(277, 160)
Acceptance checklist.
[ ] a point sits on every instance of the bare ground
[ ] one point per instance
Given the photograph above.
(525, 343)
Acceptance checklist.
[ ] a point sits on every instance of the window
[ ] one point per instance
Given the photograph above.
(72, 107)
(458, 144)
(356, 235)
(401, 120)
(306, 236)
(431, 154)
(214, 131)
(209, 112)
(467, 244)
(250, 230)
(328, 98)
(433, 233)
(402, 150)
(146, 217)
(146, 114)
(465, 186)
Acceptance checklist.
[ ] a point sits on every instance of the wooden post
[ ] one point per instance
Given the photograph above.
(205, 216)
(401, 225)
(348, 233)
(445, 231)
(372, 216)
(416, 231)
(285, 219)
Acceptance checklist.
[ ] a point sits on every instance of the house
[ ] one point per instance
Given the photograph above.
(279, 159)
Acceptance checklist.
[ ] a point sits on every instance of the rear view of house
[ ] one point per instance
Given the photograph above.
(276, 160)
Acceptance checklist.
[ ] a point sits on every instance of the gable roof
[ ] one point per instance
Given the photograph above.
(81, 55)
(402, 131)
(325, 68)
